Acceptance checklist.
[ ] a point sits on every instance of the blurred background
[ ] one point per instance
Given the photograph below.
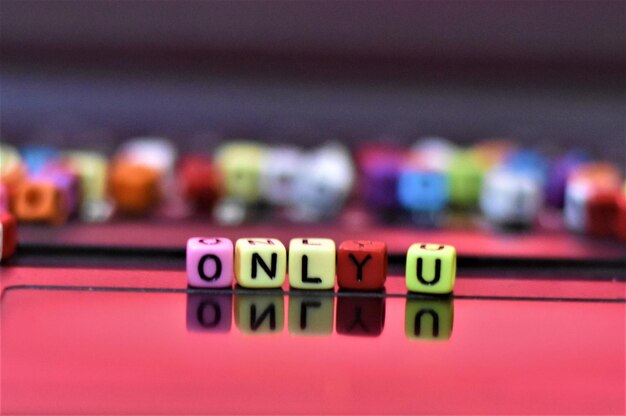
(94, 73)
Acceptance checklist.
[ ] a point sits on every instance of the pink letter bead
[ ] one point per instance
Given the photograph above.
(209, 262)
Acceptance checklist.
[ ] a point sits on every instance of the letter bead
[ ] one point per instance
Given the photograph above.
(209, 311)
(362, 265)
(209, 262)
(260, 263)
(430, 268)
(311, 315)
(312, 263)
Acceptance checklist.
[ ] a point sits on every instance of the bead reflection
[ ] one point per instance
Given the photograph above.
(311, 314)
(360, 315)
(428, 319)
(209, 312)
(260, 313)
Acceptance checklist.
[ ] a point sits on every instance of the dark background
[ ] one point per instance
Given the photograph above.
(91, 74)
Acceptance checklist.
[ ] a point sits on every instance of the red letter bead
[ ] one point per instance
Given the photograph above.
(602, 212)
(362, 265)
(8, 235)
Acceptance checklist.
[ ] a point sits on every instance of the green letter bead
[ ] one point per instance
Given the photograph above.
(311, 315)
(312, 263)
(260, 263)
(428, 320)
(259, 314)
(465, 178)
(430, 268)
(240, 164)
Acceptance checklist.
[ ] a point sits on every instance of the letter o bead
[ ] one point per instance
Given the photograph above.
(210, 262)
(430, 268)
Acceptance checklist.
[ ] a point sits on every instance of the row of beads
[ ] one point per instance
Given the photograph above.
(315, 264)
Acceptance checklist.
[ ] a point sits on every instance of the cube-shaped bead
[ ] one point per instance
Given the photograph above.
(428, 320)
(260, 314)
(279, 169)
(12, 170)
(379, 169)
(91, 169)
(37, 157)
(324, 182)
(40, 201)
(240, 164)
(260, 262)
(511, 198)
(311, 315)
(209, 312)
(200, 180)
(602, 212)
(362, 265)
(422, 190)
(8, 235)
(430, 268)
(134, 188)
(360, 315)
(465, 178)
(210, 262)
(157, 153)
(312, 263)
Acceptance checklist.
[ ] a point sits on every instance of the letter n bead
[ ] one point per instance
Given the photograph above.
(210, 262)
(430, 268)
(260, 263)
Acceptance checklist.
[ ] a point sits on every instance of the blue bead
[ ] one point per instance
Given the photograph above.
(37, 157)
(423, 190)
(528, 162)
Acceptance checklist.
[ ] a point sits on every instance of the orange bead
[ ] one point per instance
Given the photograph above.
(134, 188)
(40, 201)
(8, 235)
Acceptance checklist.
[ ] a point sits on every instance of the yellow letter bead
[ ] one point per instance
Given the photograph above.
(260, 262)
(240, 164)
(430, 268)
(260, 314)
(312, 263)
(428, 320)
(311, 315)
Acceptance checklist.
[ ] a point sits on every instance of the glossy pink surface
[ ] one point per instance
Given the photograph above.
(107, 351)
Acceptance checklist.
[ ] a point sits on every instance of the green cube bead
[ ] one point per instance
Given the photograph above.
(430, 268)
(465, 179)
(240, 163)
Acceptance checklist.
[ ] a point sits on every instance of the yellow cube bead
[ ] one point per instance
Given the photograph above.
(260, 314)
(240, 164)
(430, 268)
(312, 263)
(260, 262)
(91, 168)
(428, 320)
(311, 315)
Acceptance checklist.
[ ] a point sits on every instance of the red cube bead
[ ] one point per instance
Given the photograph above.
(8, 235)
(602, 212)
(200, 180)
(362, 265)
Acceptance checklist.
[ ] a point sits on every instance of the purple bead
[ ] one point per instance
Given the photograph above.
(66, 182)
(380, 169)
(559, 173)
